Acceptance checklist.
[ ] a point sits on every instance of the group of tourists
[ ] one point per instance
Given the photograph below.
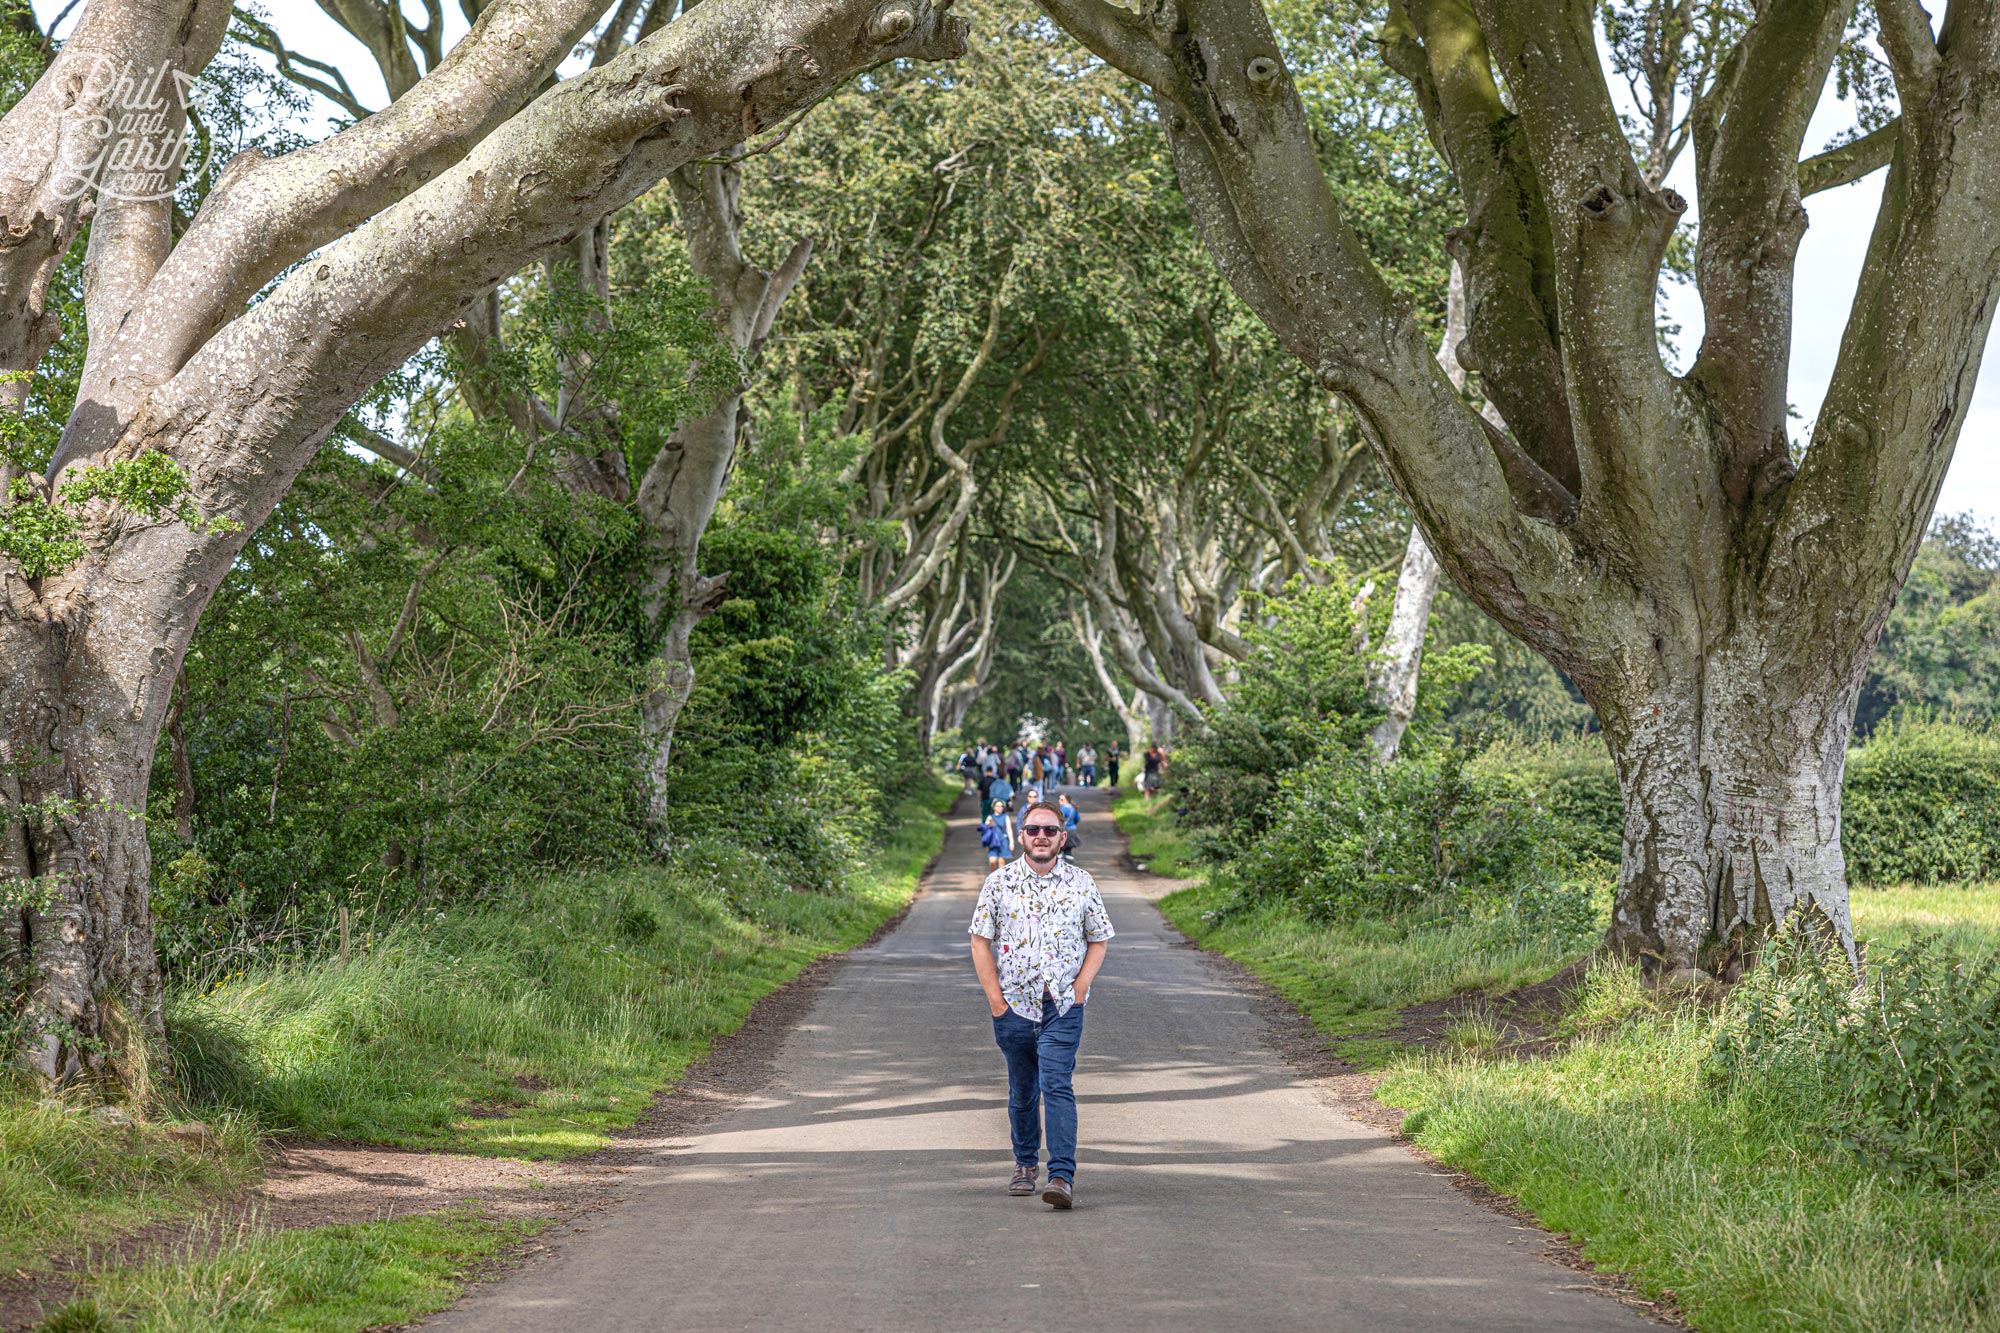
(1012, 781)
(1000, 834)
(1039, 764)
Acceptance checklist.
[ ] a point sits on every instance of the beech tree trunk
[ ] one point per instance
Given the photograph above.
(1730, 761)
(1403, 645)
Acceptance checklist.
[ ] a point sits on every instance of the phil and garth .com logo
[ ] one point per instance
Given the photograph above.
(133, 142)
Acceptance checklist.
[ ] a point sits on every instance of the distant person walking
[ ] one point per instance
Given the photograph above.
(1001, 791)
(1072, 818)
(1049, 923)
(989, 769)
(1156, 765)
(996, 835)
(1086, 764)
(1111, 758)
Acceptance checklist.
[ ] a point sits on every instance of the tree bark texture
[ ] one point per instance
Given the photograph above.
(1649, 534)
(1403, 645)
(414, 219)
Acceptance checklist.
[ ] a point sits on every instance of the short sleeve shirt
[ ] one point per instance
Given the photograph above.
(1040, 926)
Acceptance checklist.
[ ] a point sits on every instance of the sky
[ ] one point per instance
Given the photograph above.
(1829, 262)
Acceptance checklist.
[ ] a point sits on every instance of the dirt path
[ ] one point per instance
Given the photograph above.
(851, 1175)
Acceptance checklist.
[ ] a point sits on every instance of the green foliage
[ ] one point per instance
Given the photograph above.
(1040, 671)
(1426, 834)
(23, 55)
(1282, 786)
(1903, 1068)
(1518, 690)
(794, 739)
(1922, 803)
(381, 709)
(46, 539)
(1941, 647)
(41, 537)
(413, 685)
(1302, 692)
(1572, 778)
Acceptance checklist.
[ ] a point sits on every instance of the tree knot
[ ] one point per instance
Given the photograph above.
(1266, 76)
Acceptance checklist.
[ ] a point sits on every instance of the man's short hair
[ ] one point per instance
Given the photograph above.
(1042, 805)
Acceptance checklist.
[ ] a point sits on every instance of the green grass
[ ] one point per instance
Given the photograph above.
(1350, 978)
(65, 1179)
(1744, 1210)
(541, 1022)
(535, 1023)
(1148, 822)
(1750, 1215)
(1967, 917)
(326, 1280)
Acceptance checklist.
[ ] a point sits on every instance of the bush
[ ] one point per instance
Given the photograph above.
(1922, 803)
(1426, 833)
(1922, 798)
(1303, 692)
(1575, 782)
(1904, 1068)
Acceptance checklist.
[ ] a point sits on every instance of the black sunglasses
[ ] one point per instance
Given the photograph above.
(1040, 830)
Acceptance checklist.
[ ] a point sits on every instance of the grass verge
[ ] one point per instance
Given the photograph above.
(1148, 824)
(1745, 1212)
(1351, 977)
(540, 1022)
(1744, 1208)
(324, 1280)
(535, 1023)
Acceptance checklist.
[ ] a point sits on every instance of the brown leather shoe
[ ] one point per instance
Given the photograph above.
(1023, 1183)
(1058, 1194)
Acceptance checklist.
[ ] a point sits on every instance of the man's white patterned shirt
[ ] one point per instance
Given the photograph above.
(1040, 926)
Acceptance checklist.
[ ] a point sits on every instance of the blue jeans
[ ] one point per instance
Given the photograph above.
(1041, 1058)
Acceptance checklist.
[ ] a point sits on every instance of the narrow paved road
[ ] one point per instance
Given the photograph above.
(865, 1187)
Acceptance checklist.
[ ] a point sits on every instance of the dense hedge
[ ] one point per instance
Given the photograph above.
(1921, 805)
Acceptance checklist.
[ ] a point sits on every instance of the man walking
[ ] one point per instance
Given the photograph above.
(1048, 920)
(989, 769)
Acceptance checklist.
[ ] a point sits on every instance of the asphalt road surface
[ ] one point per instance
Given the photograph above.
(865, 1187)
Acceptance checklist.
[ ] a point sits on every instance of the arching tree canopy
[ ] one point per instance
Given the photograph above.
(915, 381)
